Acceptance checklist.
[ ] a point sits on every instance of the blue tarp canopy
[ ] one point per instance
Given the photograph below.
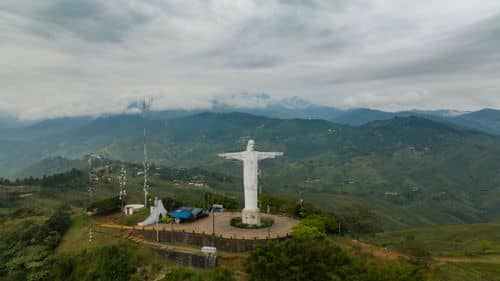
(197, 212)
(186, 213)
(182, 214)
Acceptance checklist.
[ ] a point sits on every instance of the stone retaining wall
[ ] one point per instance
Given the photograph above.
(187, 259)
(225, 244)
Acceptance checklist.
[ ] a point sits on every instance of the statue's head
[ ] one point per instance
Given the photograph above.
(250, 145)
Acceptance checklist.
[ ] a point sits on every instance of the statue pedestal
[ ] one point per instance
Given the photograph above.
(250, 216)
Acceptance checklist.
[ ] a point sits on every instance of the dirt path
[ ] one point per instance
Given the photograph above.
(483, 259)
(178, 248)
(391, 255)
(378, 252)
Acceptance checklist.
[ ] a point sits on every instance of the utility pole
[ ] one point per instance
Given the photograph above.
(211, 208)
(301, 204)
(386, 251)
(91, 198)
(7, 201)
(157, 220)
(172, 209)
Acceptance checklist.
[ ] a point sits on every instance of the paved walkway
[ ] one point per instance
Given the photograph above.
(281, 227)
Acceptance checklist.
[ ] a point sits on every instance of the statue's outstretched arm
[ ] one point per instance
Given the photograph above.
(267, 155)
(236, 155)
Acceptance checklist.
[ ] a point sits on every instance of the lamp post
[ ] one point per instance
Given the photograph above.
(386, 251)
(269, 222)
(157, 220)
(213, 227)
(301, 204)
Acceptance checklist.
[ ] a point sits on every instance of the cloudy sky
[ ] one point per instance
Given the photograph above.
(71, 57)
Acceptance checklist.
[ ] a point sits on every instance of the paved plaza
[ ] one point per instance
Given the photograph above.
(282, 226)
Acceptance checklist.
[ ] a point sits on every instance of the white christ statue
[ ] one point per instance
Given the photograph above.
(250, 158)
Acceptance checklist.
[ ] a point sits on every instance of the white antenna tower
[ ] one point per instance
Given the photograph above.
(145, 162)
(122, 180)
(91, 190)
(91, 175)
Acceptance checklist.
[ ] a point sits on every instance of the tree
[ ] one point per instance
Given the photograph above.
(222, 274)
(301, 260)
(318, 260)
(419, 254)
(185, 274)
(316, 221)
(359, 220)
(306, 232)
(485, 245)
(60, 221)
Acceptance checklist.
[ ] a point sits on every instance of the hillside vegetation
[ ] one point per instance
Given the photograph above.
(454, 240)
(411, 171)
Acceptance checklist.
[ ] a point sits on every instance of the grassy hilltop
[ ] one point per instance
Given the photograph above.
(412, 171)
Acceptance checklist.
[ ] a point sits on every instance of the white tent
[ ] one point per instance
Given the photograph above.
(157, 212)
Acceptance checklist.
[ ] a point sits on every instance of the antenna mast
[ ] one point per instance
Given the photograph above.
(122, 179)
(145, 162)
(91, 190)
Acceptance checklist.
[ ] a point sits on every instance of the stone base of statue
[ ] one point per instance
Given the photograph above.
(250, 216)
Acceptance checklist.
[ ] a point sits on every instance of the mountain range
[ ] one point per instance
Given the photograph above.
(485, 120)
(412, 170)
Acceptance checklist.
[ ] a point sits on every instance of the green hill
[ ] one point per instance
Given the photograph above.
(453, 240)
(411, 171)
(50, 166)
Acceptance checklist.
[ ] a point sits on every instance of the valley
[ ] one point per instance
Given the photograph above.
(411, 171)
(390, 184)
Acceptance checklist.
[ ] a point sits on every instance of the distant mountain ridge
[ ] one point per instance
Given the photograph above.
(42, 140)
(486, 120)
(413, 171)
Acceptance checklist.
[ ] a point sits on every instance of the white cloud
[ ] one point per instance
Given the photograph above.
(89, 57)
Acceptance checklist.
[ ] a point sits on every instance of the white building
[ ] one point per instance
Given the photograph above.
(132, 208)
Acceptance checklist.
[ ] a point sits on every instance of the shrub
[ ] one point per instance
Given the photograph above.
(24, 253)
(417, 250)
(264, 222)
(116, 262)
(105, 206)
(185, 274)
(306, 232)
(167, 220)
(318, 260)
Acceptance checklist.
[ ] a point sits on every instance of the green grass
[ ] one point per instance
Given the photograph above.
(119, 261)
(455, 240)
(455, 171)
(77, 237)
(467, 272)
(136, 218)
